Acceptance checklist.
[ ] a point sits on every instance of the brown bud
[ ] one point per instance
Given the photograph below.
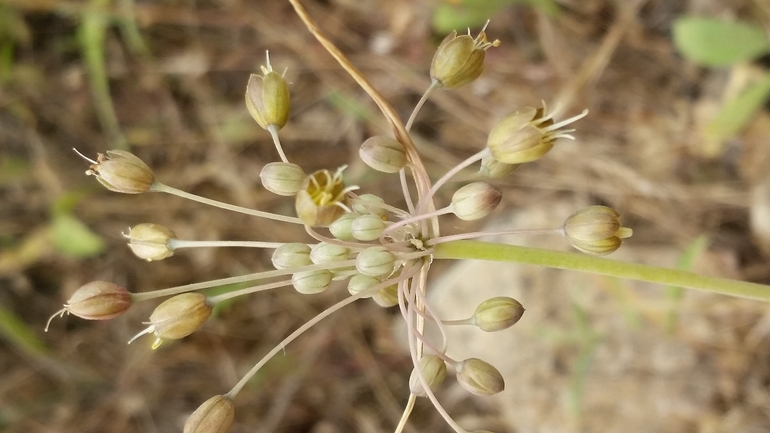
(97, 300)
(121, 171)
(596, 230)
(215, 415)
(475, 200)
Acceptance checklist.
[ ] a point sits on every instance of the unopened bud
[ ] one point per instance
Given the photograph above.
(490, 167)
(322, 198)
(150, 241)
(342, 228)
(267, 98)
(375, 262)
(97, 300)
(359, 283)
(527, 135)
(496, 314)
(460, 59)
(369, 204)
(367, 227)
(596, 230)
(433, 369)
(383, 153)
(291, 255)
(121, 171)
(479, 377)
(328, 253)
(177, 317)
(215, 415)
(475, 200)
(282, 178)
(387, 297)
(312, 282)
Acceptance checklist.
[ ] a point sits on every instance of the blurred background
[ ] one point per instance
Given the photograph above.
(676, 140)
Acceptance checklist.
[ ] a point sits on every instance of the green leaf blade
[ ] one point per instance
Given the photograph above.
(712, 42)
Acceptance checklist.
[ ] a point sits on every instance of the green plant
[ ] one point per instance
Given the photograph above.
(385, 251)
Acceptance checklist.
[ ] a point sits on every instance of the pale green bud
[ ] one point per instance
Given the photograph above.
(121, 171)
(596, 230)
(369, 204)
(479, 377)
(367, 227)
(496, 314)
(282, 178)
(387, 297)
(311, 282)
(475, 200)
(384, 154)
(359, 283)
(267, 98)
(459, 59)
(177, 317)
(328, 253)
(433, 369)
(215, 415)
(150, 241)
(292, 255)
(375, 262)
(342, 228)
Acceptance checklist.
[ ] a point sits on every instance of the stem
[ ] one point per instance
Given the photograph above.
(476, 157)
(407, 412)
(159, 187)
(597, 265)
(461, 236)
(176, 244)
(273, 130)
(248, 290)
(419, 105)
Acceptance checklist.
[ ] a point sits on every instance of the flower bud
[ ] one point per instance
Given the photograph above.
(367, 227)
(97, 300)
(121, 171)
(475, 200)
(342, 229)
(490, 167)
(496, 314)
(460, 59)
(383, 153)
(433, 369)
(369, 204)
(291, 255)
(360, 282)
(282, 178)
(387, 297)
(375, 262)
(215, 415)
(177, 317)
(312, 282)
(328, 253)
(150, 241)
(479, 377)
(267, 98)
(322, 198)
(527, 134)
(595, 230)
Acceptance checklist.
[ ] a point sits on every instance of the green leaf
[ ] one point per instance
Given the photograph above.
(735, 115)
(73, 238)
(19, 335)
(474, 13)
(712, 42)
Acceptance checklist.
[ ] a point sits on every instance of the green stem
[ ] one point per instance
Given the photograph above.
(597, 265)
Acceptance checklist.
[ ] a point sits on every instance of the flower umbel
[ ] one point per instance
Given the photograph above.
(384, 251)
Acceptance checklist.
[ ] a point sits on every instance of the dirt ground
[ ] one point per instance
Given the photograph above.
(166, 78)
